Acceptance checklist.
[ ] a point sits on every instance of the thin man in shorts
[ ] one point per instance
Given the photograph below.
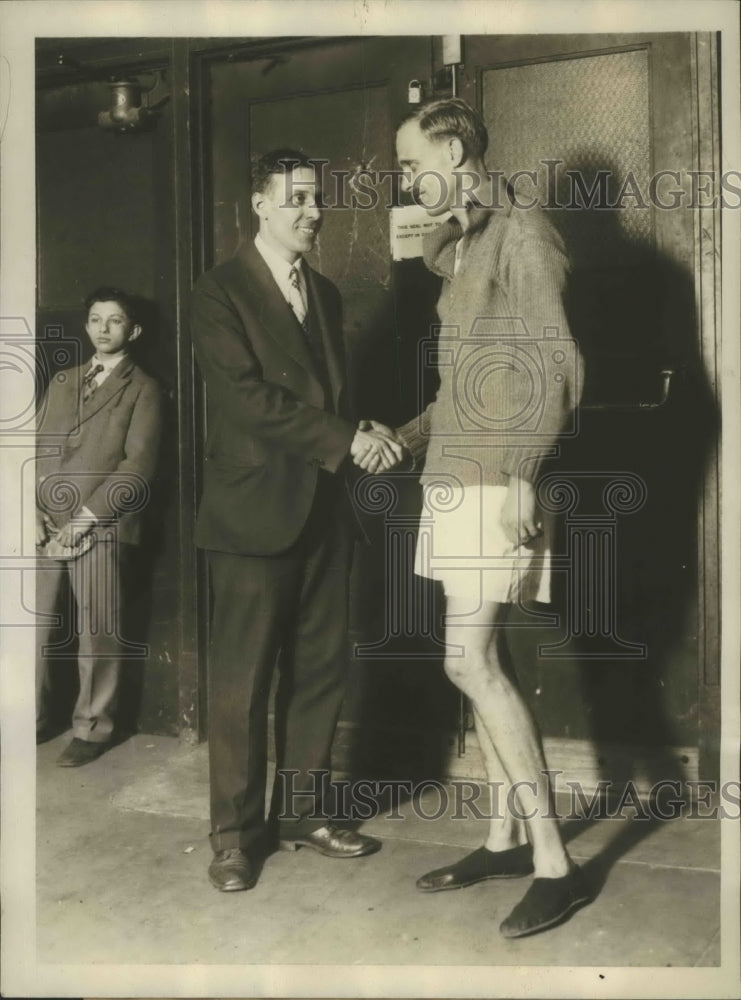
(509, 384)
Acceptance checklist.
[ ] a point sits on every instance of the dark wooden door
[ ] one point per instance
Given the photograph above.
(570, 115)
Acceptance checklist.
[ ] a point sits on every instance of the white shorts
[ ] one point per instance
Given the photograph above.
(464, 546)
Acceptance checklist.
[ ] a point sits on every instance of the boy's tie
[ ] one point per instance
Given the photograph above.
(88, 383)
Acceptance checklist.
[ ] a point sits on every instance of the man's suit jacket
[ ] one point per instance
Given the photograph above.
(270, 426)
(101, 454)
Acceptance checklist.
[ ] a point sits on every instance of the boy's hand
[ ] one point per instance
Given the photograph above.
(42, 528)
(75, 529)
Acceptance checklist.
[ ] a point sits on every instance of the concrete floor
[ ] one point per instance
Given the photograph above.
(122, 853)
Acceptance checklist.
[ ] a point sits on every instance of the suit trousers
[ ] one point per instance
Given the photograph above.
(89, 594)
(287, 611)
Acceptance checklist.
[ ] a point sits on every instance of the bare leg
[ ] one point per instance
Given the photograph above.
(481, 673)
(505, 829)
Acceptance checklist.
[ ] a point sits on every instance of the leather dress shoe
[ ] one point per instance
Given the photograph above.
(480, 865)
(333, 842)
(548, 901)
(80, 752)
(231, 871)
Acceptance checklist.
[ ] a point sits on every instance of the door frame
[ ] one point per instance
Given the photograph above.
(190, 60)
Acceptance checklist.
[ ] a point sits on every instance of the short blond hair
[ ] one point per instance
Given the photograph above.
(452, 118)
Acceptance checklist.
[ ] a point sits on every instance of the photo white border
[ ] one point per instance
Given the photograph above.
(20, 23)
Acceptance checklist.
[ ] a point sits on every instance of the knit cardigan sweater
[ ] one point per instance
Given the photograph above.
(510, 373)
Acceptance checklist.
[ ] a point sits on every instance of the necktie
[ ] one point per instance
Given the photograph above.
(88, 383)
(296, 299)
(313, 335)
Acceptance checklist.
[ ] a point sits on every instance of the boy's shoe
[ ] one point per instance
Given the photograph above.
(80, 752)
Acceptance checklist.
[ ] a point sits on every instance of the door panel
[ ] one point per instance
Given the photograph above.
(622, 105)
(591, 113)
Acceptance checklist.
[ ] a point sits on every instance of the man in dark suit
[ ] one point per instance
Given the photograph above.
(276, 520)
(97, 444)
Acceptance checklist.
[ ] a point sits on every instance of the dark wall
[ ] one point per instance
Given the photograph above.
(105, 217)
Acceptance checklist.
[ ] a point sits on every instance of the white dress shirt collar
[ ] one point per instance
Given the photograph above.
(109, 363)
(279, 266)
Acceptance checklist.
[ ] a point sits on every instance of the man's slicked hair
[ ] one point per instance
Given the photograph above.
(277, 161)
(452, 118)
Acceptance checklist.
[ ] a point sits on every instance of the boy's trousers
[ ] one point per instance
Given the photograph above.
(86, 596)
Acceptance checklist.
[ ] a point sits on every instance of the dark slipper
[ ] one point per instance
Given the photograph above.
(480, 865)
(547, 902)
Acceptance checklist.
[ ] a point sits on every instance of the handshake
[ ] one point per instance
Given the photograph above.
(376, 447)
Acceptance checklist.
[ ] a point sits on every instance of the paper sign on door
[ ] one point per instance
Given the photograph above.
(409, 225)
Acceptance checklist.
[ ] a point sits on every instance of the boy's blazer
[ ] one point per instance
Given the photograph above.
(271, 426)
(101, 454)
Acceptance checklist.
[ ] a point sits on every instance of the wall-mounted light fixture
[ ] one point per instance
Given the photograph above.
(134, 105)
(127, 113)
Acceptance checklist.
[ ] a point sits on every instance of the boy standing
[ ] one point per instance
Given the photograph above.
(97, 444)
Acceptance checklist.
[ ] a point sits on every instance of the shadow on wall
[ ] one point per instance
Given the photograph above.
(632, 309)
